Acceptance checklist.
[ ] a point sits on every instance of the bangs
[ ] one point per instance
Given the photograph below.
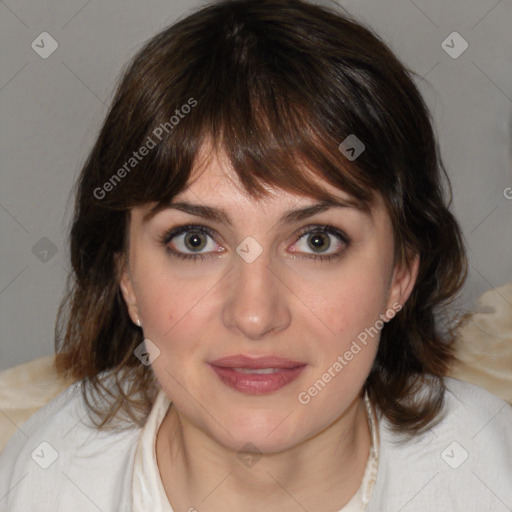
(242, 92)
(266, 147)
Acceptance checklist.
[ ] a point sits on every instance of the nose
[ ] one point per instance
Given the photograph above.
(257, 300)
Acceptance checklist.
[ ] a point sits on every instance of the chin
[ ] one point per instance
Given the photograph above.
(264, 432)
(256, 443)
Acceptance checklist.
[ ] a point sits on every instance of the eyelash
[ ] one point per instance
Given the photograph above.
(312, 228)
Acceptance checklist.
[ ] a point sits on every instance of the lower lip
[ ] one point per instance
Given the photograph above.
(257, 383)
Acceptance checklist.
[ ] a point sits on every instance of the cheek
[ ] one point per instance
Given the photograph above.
(343, 304)
(171, 307)
(155, 297)
(164, 294)
(347, 338)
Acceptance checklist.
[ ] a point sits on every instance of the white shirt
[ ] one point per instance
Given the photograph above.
(57, 462)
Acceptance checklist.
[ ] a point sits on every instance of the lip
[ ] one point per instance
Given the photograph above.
(243, 361)
(227, 369)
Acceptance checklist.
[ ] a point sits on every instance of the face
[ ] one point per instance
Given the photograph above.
(313, 291)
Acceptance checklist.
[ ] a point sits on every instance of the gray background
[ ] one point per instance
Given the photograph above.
(52, 108)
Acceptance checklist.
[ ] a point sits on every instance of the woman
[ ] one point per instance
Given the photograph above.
(261, 249)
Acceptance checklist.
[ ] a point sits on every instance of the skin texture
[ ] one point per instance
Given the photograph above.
(285, 304)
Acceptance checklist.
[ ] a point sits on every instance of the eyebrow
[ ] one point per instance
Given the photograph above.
(222, 216)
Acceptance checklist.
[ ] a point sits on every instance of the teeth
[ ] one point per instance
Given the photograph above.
(257, 370)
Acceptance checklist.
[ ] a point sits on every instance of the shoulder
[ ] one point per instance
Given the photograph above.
(477, 410)
(462, 463)
(57, 460)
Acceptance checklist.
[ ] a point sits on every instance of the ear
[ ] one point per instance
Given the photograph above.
(127, 289)
(403, 281)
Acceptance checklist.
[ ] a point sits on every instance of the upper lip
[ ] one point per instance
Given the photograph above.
(243, 361)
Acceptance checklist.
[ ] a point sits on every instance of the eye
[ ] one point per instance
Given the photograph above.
(318, 238)
(189, 238)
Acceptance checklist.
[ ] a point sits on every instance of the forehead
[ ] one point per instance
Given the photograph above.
(215, 180)
(214, 191)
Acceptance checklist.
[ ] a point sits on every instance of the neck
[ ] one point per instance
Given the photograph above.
(321, 473)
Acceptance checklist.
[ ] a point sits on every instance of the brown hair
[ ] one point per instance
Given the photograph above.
(278, 85)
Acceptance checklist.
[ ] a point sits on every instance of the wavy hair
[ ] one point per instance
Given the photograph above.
(277, 85)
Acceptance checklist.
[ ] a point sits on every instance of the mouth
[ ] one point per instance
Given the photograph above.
(257, 375)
